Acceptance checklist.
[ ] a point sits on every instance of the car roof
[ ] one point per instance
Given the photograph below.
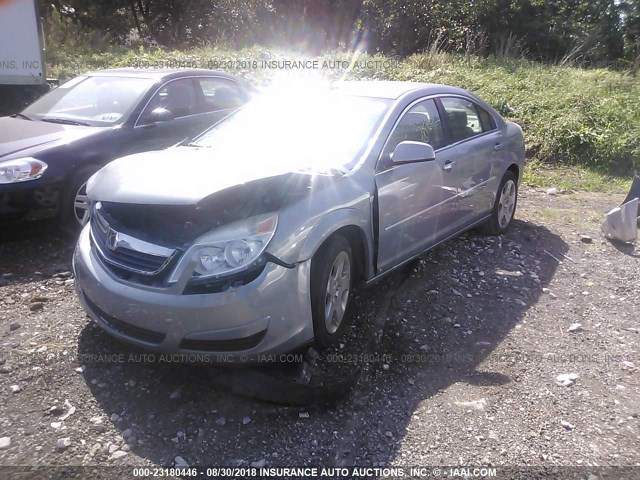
(392, 90)
(157, 73)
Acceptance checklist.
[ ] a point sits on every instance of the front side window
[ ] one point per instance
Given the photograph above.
(421, 123)
(463, 119)
(177, 96)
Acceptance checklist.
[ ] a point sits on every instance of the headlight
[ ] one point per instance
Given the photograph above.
(21, 170)
(232, 248)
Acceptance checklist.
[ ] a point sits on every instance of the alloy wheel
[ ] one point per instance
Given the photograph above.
(81, 205)
(337, 292)
(507, 203)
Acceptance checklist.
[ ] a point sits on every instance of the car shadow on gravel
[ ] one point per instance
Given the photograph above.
(422, 330)
(29, 247)
(626, 249)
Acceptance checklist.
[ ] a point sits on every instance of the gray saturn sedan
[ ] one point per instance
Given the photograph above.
(247, 241)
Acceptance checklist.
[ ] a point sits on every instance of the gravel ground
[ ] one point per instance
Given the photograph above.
(459, 355)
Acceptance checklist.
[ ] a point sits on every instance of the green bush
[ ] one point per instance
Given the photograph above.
(570, 116)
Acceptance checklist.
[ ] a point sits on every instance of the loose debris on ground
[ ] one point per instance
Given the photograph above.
(520, 350)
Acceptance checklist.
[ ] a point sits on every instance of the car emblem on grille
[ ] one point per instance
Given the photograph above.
(113, 239)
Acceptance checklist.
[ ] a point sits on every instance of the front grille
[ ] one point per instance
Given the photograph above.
(125, 328)
(233, 345)
(125, 252)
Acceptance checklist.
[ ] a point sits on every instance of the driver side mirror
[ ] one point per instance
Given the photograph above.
(159, 115)
(409, 152)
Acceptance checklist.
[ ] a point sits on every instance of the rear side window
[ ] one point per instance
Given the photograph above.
(221, 94)
(487, 121)
(463, 119)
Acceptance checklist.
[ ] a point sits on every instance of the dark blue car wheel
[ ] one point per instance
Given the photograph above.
(75, 205)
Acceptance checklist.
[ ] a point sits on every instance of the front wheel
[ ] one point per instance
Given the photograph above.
(504, 206)
(332, 271)
(75, 203)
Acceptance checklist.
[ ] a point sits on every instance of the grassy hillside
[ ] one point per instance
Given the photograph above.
(571, 117)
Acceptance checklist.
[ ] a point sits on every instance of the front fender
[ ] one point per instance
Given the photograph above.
(331, 223)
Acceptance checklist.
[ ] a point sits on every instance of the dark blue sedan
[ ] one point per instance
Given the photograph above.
(50, 149)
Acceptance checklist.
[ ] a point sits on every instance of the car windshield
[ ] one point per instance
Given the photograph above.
(90, 100)
(320, 132)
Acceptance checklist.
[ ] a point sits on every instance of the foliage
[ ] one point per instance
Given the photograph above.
(595, 32)
(575, 177)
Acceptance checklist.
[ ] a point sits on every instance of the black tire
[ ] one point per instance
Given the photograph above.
(337, 249)
(496, 224)
(69, 216)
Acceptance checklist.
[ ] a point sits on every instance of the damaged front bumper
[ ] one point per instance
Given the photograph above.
(270, 315)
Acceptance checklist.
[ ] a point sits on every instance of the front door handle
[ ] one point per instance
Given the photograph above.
(447, 165)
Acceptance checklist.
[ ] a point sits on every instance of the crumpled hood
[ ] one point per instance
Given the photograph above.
(18, 135)
(177, 176)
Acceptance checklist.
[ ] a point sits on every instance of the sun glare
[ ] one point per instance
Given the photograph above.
(300, 122)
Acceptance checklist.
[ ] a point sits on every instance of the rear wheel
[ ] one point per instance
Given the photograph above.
(332, 272)
(504, 207)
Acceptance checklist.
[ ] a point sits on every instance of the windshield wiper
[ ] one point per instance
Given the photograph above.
(338, 171)
(21, 115)
(65, 121)
(186, 143)
(333, 171)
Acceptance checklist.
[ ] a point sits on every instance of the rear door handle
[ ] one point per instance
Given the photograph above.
(447, 165)
(498, 146)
